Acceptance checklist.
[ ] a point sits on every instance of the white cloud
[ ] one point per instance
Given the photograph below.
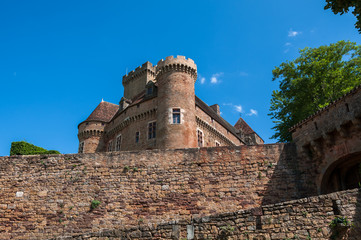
(216, 78)
(252, 112)
(238, 108)
(202, 79)
(288, 46)
(292, 33)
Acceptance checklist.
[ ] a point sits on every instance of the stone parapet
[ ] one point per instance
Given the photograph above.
(139, 72)
(178, 64)
(337, 117)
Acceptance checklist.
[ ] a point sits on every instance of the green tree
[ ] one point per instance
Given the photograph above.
(343, 6)
(24, 148)
(310, 82)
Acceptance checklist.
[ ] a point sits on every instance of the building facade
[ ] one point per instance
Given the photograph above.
(159, 110)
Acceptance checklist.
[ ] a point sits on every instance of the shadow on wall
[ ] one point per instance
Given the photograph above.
(348, 225)
(289, 181)
(343, 174)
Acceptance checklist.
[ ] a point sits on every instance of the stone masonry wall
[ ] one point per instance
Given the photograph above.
(307, 218)
(48, 196)
(209, 138)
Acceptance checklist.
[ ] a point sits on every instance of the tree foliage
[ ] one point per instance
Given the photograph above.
(24, 148)
(310, 82)
(343, 6)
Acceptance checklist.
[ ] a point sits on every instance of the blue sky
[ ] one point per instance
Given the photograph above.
(58, 59)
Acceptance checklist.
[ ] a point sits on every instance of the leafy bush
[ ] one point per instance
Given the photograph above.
(24, 148)
(94, 204)
(340, 221)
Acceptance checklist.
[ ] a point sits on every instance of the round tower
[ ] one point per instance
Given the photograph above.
(90, 136)
(176, 119)
(91, 131)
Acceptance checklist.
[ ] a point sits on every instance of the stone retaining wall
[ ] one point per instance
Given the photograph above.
(307, 218)
(48, 196)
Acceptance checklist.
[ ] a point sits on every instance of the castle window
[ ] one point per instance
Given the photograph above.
(176, 113)
(110, 146)
(217, 144)
(149, 90)
(200, 138)
(118, 142)
(81, 147)
(152, 127)
(137, 134)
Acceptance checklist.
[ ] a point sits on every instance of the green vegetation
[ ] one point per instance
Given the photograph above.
(343, 6)
(340, 221)
(126, 169)
(94, 204)
(312, 81)
(24, 148)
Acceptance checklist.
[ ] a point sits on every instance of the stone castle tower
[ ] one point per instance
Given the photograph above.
(176, 78)
(159, 110)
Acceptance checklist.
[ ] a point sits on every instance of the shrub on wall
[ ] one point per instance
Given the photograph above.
(24, 148)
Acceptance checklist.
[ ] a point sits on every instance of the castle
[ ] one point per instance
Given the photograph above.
(307, 189)
(159, 110)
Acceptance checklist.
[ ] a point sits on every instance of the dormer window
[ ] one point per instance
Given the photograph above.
(149, 90)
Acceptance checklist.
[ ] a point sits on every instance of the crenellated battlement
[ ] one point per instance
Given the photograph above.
(140, 71)
(178, 64)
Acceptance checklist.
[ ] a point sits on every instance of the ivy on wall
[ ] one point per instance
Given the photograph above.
(24, 148)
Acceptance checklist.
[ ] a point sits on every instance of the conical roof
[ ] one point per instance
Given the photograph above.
(103, 112)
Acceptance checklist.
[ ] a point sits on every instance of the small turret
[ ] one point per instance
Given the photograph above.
(176, 111)
(135, 81)
(91, 131)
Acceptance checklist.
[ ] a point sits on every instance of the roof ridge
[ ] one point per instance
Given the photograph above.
(108, 102)
(217, 117)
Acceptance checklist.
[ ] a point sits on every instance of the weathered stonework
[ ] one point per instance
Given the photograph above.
(307, 218)
(147, 186)
(329, 144)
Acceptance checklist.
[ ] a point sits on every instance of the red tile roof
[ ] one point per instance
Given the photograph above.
(103, 112)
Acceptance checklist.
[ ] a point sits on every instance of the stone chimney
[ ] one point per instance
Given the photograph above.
(216, 108)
